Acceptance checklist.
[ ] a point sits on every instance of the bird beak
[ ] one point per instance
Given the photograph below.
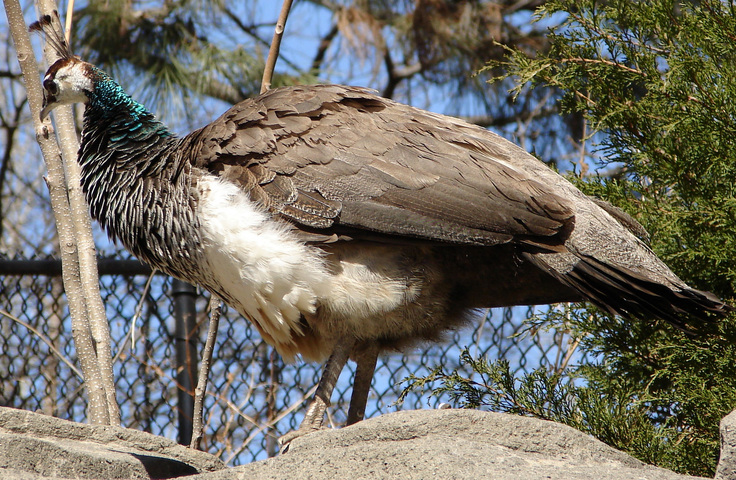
(49, 103)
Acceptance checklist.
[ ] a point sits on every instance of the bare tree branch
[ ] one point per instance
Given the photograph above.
(62, 213)
(252, 31)
(75, 234)
(273, 53)
(86, 251)
(324, 44)
(215, 309)
(11, 129)
(9, 74)
(487, 121)
(397, 75)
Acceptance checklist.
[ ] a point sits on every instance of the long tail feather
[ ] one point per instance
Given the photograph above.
(619, 290)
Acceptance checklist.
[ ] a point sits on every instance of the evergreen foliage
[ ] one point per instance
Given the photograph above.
(656, 82)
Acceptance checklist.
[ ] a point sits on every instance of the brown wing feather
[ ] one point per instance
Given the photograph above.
(328, 157)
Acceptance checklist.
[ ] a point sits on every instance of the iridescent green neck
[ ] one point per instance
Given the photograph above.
(109, 104)
(119, 134)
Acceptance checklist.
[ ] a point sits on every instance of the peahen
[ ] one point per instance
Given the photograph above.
(343, 224)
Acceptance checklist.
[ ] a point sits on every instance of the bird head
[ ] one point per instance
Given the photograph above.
(67, 81)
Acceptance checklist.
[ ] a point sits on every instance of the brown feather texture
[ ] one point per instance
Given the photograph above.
(343, 224)
(339, 156)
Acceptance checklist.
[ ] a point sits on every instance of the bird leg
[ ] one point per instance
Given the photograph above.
(366, 365)
(316, 411)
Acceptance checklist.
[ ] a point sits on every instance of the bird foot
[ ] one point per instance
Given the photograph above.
(285, 440)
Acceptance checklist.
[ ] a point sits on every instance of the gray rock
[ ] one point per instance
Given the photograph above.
(727, 464)
(42, 447)
(448, 444)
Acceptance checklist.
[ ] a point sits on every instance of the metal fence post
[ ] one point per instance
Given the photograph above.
(185, 314)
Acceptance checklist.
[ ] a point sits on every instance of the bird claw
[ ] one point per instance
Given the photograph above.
(285, 440)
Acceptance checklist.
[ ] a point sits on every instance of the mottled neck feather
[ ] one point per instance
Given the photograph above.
(135, 178)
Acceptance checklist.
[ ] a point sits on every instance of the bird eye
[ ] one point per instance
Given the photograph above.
(51, 86)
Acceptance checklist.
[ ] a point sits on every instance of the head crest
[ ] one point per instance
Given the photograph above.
(51, 26)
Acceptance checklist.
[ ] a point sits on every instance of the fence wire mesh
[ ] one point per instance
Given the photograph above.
(253, 397)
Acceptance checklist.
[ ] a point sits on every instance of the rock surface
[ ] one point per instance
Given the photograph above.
(34, 446)
(727, 464)
(447, 444)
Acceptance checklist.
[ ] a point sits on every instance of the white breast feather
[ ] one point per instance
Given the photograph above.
(271, 277)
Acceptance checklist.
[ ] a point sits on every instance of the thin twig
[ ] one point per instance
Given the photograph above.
(45, 340)
(581, 161)
(133, 321)
(603, 61)
(215, 309)
(138, 310)
(271, 423)
(273, 52)
(573, 346)
(252, 31)
(68, 23)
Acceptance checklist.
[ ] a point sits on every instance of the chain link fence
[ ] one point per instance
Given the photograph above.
(253, 397)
